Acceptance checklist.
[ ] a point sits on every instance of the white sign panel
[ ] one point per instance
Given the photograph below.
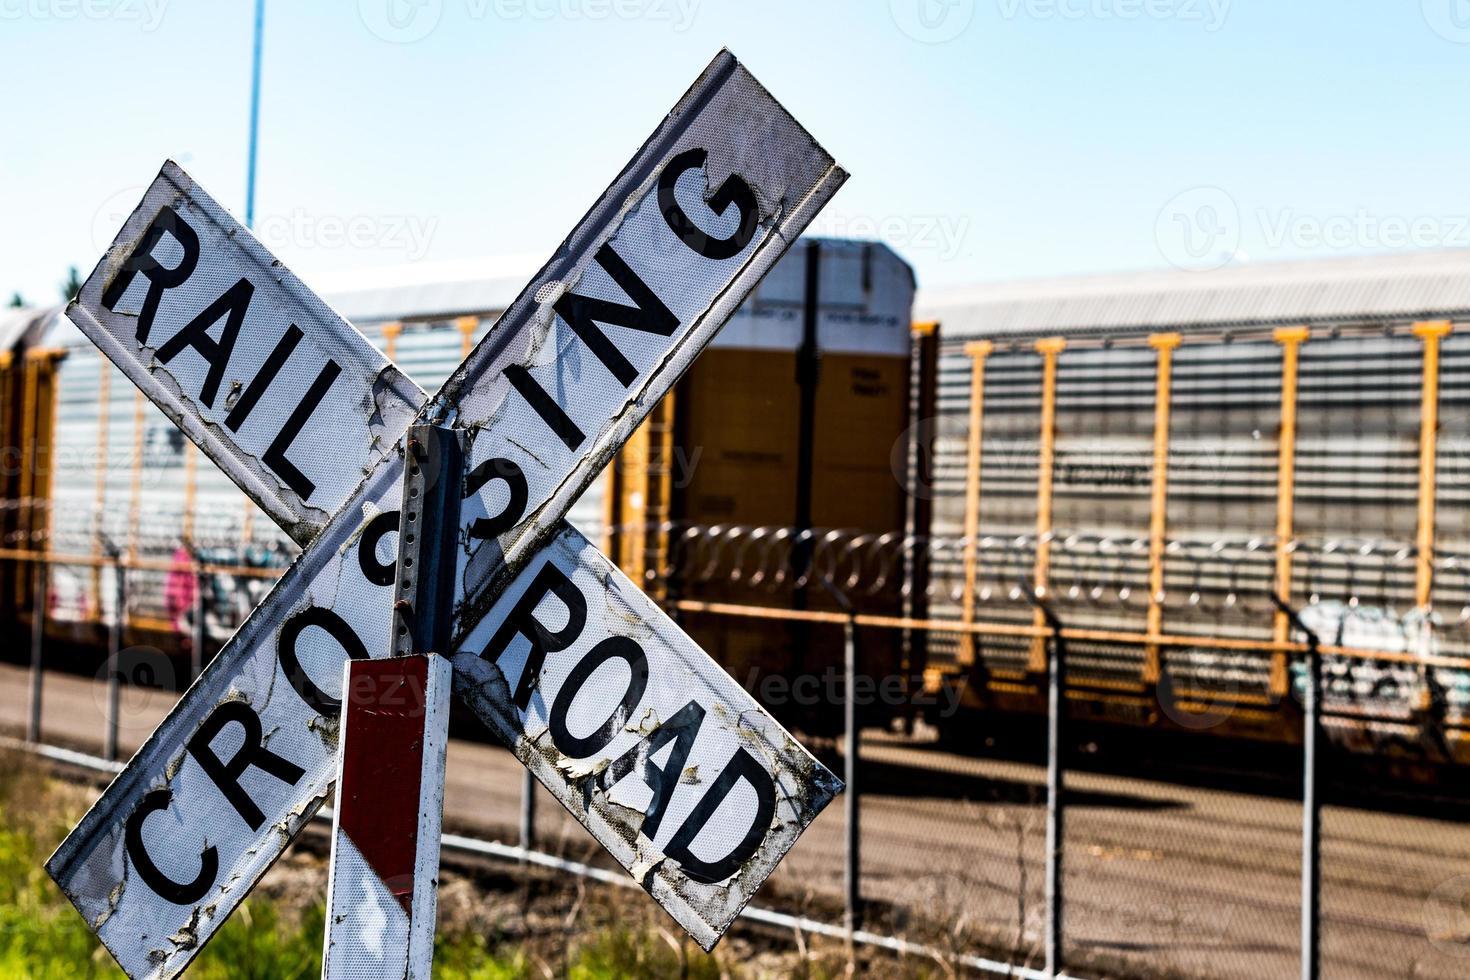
(292, 402)
(247, 755)
(242, 761)
(671, 764)
(602, 332)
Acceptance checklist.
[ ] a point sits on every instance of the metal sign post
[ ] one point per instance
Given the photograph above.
(114, 653)
(382, 883)
(383, 877)
(311, 423)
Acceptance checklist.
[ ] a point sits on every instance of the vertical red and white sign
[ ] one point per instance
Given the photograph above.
(383, 880)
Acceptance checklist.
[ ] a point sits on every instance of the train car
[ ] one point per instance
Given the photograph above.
(26, 372)
(779, 456)
(735, 480)
(140, 534)
(1154, 455)
(114, 514)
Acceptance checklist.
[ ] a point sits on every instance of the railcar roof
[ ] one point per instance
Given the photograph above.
(25, 325)
(1386, 289)
(422, 291)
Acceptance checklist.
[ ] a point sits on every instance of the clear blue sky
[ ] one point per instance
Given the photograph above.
(988, 139)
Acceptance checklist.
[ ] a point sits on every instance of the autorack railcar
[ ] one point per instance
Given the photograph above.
(1154, 455)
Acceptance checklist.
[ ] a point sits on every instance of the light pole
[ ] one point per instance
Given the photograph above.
(254, 116)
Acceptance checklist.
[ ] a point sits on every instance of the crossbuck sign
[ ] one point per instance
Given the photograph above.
(670, 764)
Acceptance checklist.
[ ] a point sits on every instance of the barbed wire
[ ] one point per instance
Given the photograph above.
(1218, 575)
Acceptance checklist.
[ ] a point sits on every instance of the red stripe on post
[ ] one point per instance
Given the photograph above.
(382, 765)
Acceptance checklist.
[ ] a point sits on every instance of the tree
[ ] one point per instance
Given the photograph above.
(17, 300)
(72, 286)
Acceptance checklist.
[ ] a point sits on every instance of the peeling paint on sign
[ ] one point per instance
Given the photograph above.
(663, 259)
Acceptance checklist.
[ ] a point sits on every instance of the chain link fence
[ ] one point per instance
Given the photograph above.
(1177, 802)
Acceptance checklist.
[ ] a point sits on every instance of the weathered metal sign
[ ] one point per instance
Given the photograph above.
(249, 753)
(690, 784)
(649, 276)
(243, 760)
(286, 397)
(231, 775)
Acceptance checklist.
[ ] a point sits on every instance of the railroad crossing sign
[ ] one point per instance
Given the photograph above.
(669, 763)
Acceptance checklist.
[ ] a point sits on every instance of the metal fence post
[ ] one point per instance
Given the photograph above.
(1312, 818)
(114, 650)
(394, 739)
(850, 806)
(528, 812)
(38, 630)
(1055, 812)
(1311, 928)
(1056, 682)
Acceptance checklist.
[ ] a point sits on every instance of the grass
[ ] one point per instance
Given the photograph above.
(42, 937)
(276, 934)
